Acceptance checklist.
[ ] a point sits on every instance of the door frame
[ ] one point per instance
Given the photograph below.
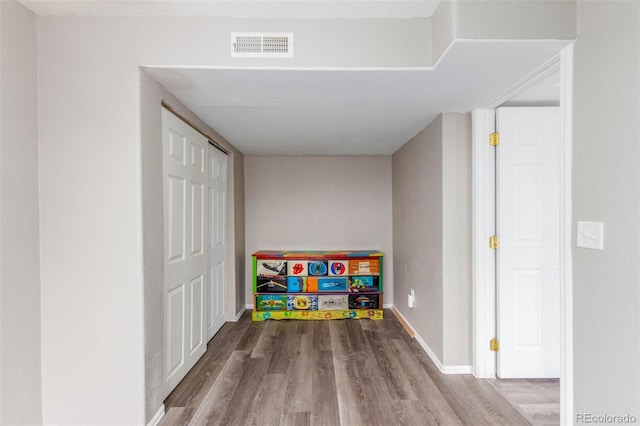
(483, 226)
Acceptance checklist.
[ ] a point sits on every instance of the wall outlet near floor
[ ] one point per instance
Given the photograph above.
(411, 299)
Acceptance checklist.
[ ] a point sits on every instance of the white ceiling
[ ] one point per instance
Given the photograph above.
(300, 9)
(328, 112)
(350, 112)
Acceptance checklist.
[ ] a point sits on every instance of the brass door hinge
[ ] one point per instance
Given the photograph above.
(494, 139)
(494, 242)
(494, 345)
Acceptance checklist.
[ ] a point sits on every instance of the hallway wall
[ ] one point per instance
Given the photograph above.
(91, 156)
(20, 373)
(606, 182)
(432, 236)
(319, 203)
(90, 162)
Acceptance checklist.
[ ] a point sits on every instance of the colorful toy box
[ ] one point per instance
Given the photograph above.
(332, 284)
(268, 302)
(312, 285)
(317, 267)
(333, 302)
(338, 267)
(364, 267)
(267, 267)
(271, 285)
(363, 284)
(302, 302)
(364, 301)
(298, 268)
(296, 284)
(317, 285)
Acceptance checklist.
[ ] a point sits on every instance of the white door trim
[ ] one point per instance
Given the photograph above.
(483, 220)
(482, 227)
(566, 264)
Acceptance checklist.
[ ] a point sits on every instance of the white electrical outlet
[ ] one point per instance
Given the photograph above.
(411, 299)
(590, 235)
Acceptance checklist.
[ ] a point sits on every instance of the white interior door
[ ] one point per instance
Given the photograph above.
(217, 240)
(185, 229)
(528, 219)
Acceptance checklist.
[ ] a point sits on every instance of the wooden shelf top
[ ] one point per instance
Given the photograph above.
(316, 254)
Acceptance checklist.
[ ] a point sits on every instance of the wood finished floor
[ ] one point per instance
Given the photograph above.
(340, 372)
(538, 400)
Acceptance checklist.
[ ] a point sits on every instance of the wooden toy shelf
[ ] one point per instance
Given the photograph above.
(317, 285)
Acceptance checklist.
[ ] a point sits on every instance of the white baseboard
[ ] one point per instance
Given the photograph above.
(248, 307)
(157, 416)
(242, 311)
(458, 369)
(444, 369)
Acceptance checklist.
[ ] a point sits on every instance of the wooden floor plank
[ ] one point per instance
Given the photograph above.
(265, 344)
(321, 335)
(267, 406)
(240, 406)
(357, 338)
(219, 396)
(439, 409)
(352, 403)
(473, 401)
(342, 372)
(177, 416)
(340, 343)
(298, 392)
(295, 419)
(538, 400)
(324, 400)
(396, 382)
(251, 336)
(284, 346)
(202, 376)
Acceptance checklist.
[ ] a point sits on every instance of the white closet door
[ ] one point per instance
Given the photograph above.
(217, 240)
(185, 169)
(528, 220)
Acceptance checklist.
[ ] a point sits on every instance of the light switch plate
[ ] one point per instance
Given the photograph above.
(590, 235)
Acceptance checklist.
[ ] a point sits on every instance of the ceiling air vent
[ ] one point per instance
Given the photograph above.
(262, 45)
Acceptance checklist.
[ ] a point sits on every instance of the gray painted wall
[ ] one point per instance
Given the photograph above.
(515, 19)
(417, 233)
(456, 242)
(432, 235)
(152, 94)
(606, 182)
(319, 203)
(20, 373)
(89, 59)
(501, 20)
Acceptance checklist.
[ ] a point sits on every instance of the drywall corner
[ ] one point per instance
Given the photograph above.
(20, 323)
(515, 19)
(442, 28)
(456, 243)
(417, 233)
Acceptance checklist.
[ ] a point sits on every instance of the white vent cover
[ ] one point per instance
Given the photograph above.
(262, 45)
